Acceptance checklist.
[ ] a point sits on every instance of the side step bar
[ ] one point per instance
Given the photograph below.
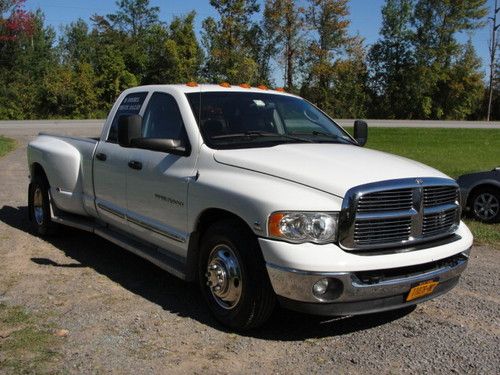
(160, 257)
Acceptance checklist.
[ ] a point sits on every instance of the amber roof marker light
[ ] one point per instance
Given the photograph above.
(224, 84)
(192, 84)
(262, 87)
(280, 89)
(245, 86)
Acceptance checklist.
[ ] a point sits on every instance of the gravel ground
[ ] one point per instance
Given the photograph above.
(124, 315)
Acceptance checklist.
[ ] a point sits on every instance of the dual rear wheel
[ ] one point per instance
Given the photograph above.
(40, 207)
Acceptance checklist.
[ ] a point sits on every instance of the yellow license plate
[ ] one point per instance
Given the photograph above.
(422, 290)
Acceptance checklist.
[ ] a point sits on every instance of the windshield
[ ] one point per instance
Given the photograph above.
(242, 120)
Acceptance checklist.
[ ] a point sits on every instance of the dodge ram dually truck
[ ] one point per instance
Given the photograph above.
(259, 197)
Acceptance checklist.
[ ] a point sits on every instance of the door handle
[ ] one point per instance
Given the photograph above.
(100, 156)
(135, 164)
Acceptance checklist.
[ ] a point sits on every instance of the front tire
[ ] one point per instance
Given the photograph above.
(40, 208)
(233, 278)
(485, 205)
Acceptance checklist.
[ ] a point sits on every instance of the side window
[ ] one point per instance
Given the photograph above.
(131, 105)
(162, 118)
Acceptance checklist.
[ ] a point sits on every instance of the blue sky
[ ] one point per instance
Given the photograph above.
(365, 16)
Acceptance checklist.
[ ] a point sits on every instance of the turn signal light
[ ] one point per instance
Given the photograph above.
(274, 224)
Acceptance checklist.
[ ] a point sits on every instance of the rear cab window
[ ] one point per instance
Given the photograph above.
(130, 105)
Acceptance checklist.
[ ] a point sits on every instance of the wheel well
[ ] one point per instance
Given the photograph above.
(479, 188)
(213, 215)
(38, 171)
(206, 218)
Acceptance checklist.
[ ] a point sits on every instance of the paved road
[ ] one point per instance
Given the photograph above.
(426, 124)
(126, 316)
(64, 125)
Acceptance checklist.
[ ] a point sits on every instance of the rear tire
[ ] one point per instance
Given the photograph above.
(233, 278)
(40, 208)
(485, 205)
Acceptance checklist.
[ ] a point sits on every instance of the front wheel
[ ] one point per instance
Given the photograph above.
(233, 278)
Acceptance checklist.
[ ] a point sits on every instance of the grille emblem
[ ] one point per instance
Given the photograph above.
(419, 181)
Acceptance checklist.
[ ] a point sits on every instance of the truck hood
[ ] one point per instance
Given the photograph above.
(333, 168)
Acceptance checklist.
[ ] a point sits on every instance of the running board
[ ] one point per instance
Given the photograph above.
(160, 257)
(166, 262)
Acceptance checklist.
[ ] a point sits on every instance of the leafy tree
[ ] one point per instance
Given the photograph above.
(15, 21)
(391, 61)
(331, 56)
(112, 74)
(191, 56)
(437, 22)
(174, 54)
(230, 53)
(284, 22)
(464, 89)
(76, 43)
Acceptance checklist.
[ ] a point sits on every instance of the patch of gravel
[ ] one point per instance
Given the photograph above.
(125, 315)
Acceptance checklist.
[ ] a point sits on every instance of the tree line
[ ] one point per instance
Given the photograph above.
(418, 68)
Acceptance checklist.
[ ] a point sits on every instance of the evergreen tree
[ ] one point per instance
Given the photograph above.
(133, 17)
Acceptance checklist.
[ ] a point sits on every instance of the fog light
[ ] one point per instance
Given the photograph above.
(320, 287)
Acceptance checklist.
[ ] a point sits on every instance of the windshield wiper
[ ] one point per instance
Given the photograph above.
(325, 134)
(256, 133)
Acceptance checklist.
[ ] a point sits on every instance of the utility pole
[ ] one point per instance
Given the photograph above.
(493, 50)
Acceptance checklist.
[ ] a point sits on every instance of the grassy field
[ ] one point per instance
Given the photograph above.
(452, 151)
(6, 145)
(27, 343)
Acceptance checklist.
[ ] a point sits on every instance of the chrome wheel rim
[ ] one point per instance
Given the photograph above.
(486, 206)
(38, 206)
(224, 277)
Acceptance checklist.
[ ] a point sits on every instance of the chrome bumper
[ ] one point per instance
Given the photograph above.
(363, 292)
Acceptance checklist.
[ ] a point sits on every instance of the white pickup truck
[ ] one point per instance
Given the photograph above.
(258, 196)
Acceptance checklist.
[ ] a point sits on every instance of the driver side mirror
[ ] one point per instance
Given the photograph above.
(361, 132)
(129, 128)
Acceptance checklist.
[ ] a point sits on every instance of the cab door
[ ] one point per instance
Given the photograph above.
(157, 182)
(111, 166)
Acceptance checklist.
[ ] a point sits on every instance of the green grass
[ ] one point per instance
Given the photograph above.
(26, 345)
(452, 151)
(485, 234)
(6, 145)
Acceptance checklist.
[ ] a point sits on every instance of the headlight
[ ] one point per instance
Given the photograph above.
(299, 227)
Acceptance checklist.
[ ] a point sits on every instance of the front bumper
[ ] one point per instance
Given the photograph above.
(361, 283)
(363, 292)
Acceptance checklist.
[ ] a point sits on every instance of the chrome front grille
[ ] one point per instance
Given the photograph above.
(398, 213)
(386, 201)
(438, 222)
(438, 195)
(368, 232)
